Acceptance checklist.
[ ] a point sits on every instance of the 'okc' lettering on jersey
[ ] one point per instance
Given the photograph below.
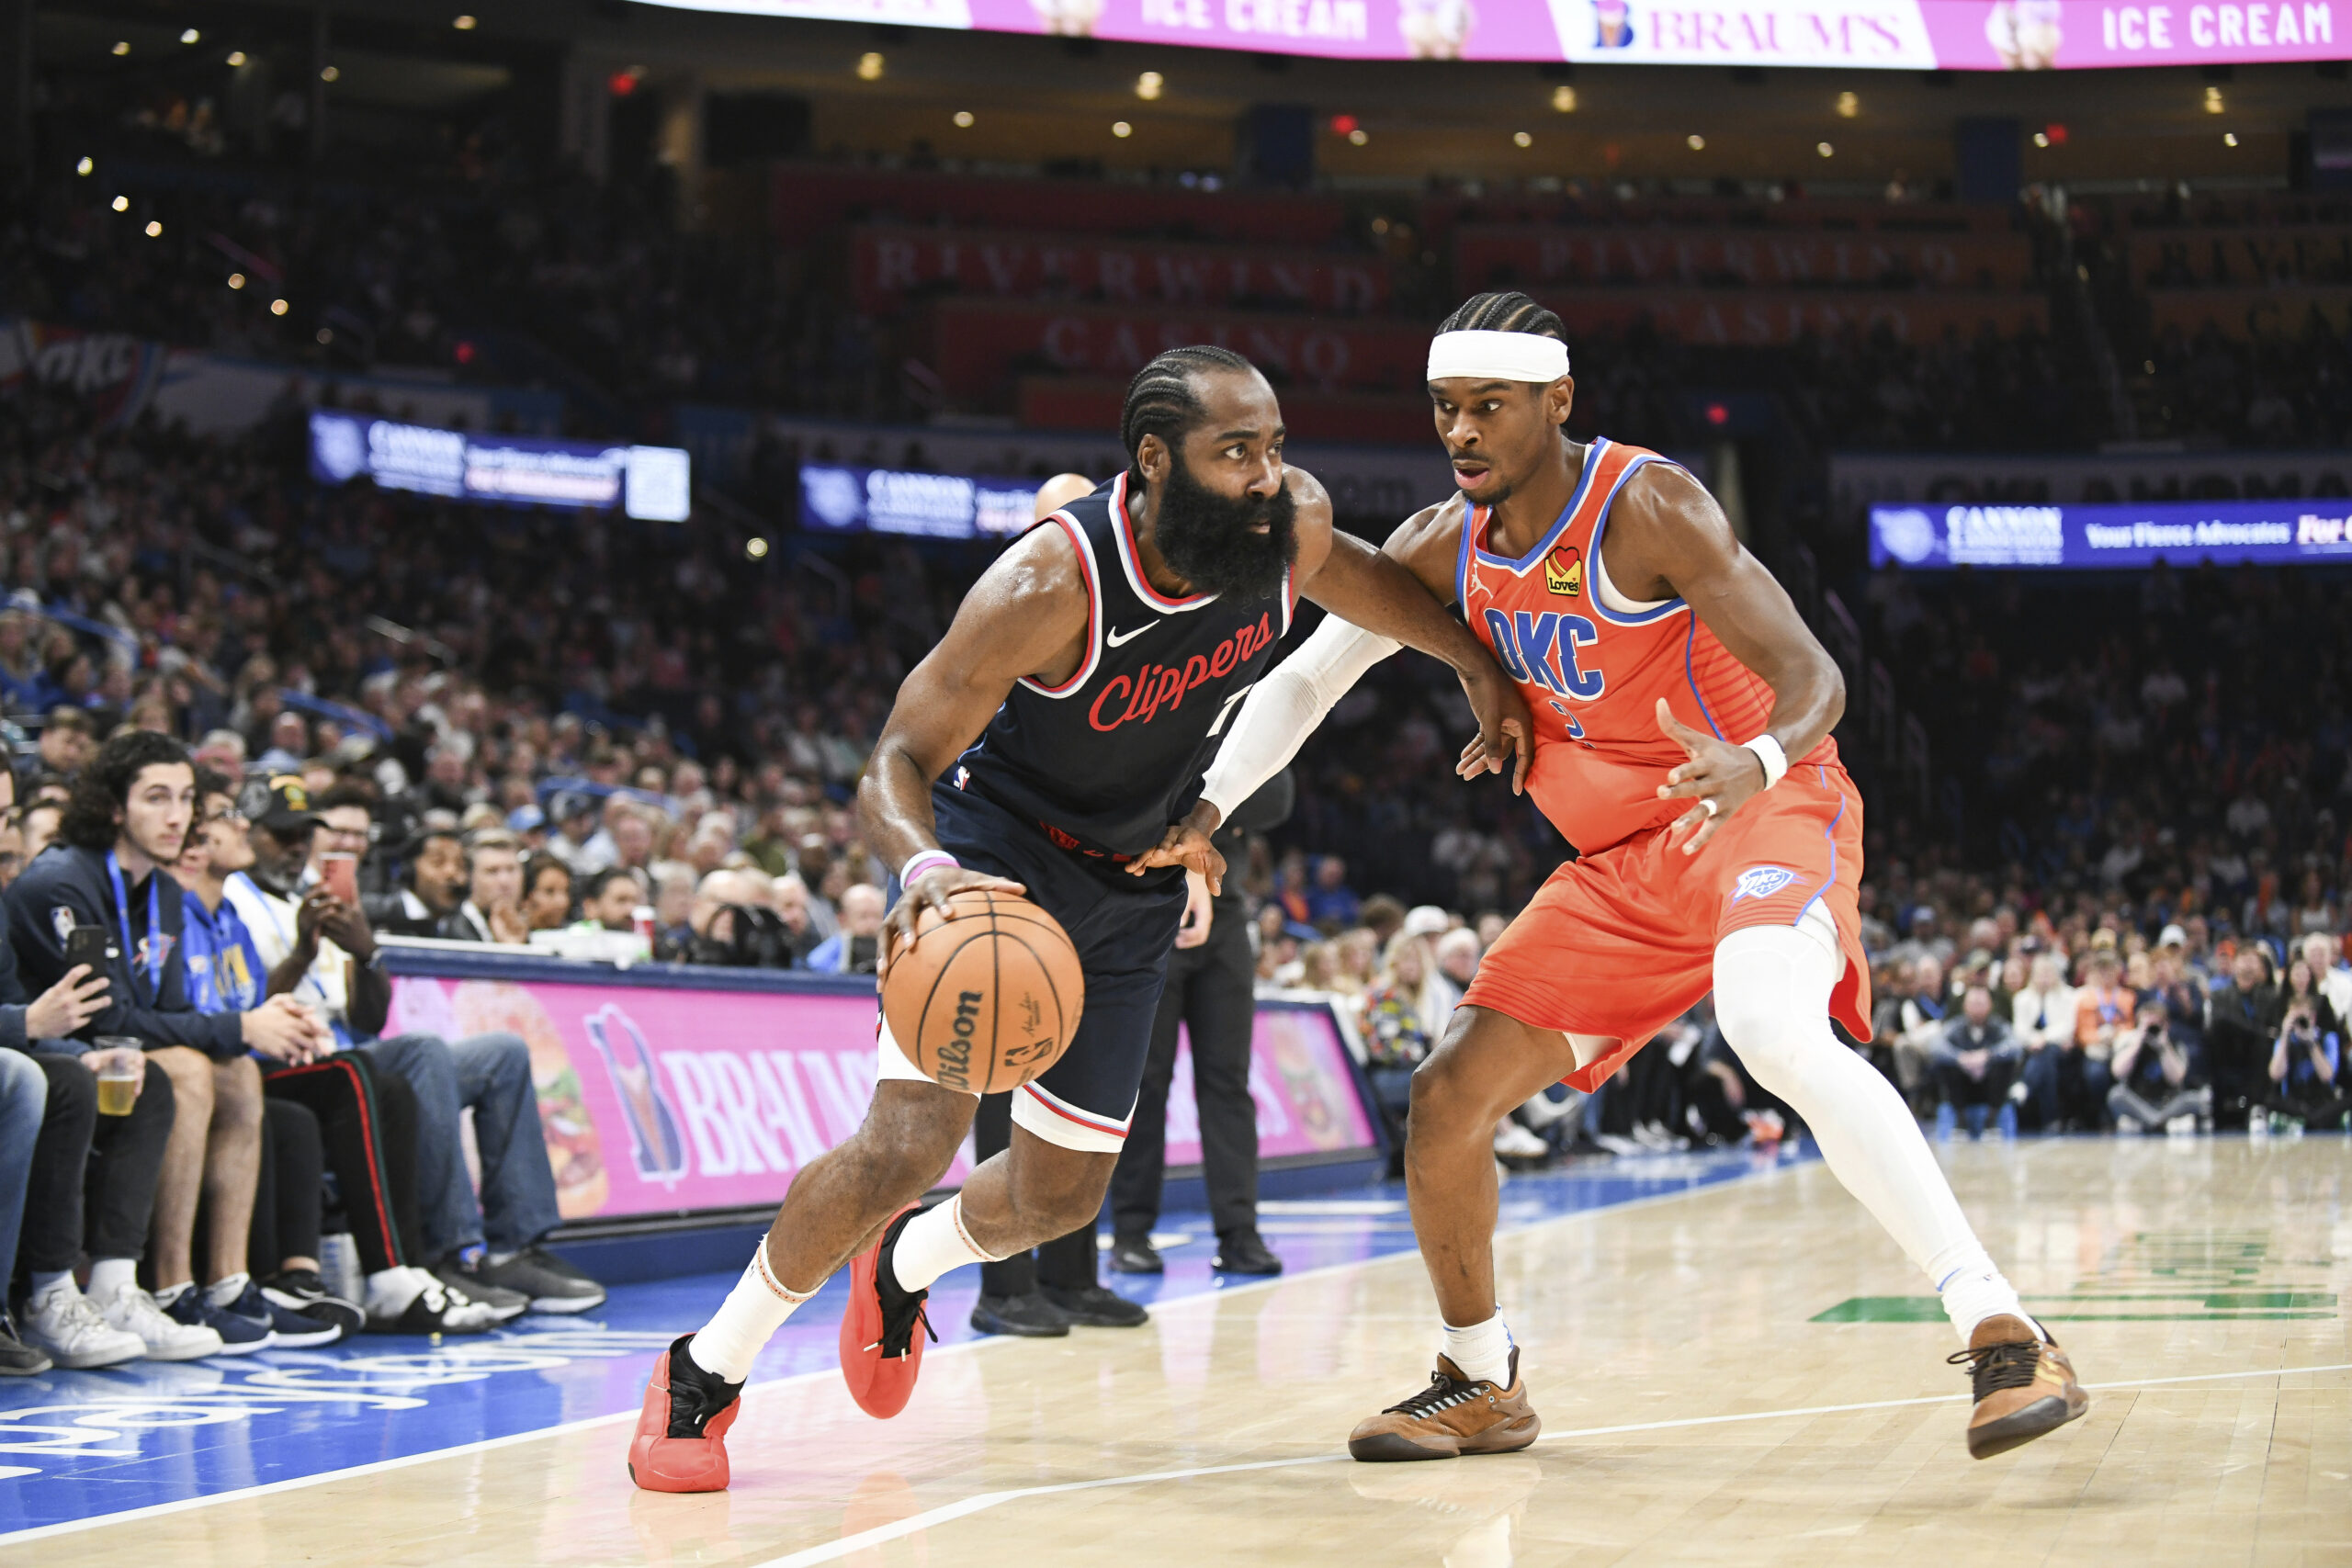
(1140, 696)
(1526, 640)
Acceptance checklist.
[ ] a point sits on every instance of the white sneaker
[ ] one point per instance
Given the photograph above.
(133, 1311)
(1515, 1142)
(411, 1301)
(66, 1325)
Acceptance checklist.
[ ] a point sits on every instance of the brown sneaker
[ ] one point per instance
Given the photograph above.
(1450, 1417)
(2024, 1385)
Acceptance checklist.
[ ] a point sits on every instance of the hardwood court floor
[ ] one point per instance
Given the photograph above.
(1745, 1374)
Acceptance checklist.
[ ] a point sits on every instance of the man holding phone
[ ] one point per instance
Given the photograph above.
(127, 820)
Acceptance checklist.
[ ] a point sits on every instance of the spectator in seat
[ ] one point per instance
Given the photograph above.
(1332, 905)
(346, 826)
(2157, 1079)
(37, 828)
(855, 948)
(1975, 1066)
(2307, 1082)
(2041, 1021)
(487, 1249)
(1457, 963)
(2325, 954)
(225, 974)
(609, 900)
(547, 892)
(67, 742)
(1920, 1027)
(437, 885)
(223, 751)
(50, 1095)
(574, 814)
(1399, 1033)
(788, 896)
(492, 908)
(2239, 1037)
(2103, 1010)
(129, 816)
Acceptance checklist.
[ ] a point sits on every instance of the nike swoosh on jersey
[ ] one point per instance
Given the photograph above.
(1117, 638)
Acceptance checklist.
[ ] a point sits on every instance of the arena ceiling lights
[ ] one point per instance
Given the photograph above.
(1958, 35)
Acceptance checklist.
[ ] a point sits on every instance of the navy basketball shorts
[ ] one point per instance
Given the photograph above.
(1124, 928)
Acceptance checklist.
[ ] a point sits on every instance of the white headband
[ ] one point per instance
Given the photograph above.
(1497, 357)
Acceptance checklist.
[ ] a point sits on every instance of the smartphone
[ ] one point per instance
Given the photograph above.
(339, 875)
(93, 946)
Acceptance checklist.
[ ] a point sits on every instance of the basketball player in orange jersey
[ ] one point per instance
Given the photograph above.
(1062, 722)
(1682, 714)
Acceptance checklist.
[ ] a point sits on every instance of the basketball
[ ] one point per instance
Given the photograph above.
(987, 1001)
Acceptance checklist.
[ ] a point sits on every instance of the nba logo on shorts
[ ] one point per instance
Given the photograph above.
(1762, 882)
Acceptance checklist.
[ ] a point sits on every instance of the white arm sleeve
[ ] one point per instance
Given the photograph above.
(1282, 711)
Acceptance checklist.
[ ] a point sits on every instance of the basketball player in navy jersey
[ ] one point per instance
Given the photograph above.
(1063, 722)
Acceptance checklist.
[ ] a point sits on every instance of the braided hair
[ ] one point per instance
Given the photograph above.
(1161, 400)
(1508, 311)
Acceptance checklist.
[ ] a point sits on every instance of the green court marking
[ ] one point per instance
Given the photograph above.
(2225, 1305)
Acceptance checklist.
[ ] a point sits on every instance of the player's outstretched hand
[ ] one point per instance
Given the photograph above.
(1717, 780)
(1505, 739)
(1187, 844)
(932, 890)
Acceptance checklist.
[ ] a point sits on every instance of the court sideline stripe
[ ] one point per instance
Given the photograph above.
(947, 1513)
(485, 1445)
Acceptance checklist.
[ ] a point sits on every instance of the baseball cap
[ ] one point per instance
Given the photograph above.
(2173, 936)
(525, 820)
(1425, 919)
(281, 802)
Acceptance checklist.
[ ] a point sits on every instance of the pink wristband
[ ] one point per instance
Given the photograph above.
(922, 860)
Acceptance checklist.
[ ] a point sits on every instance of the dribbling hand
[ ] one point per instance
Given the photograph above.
(932, 890)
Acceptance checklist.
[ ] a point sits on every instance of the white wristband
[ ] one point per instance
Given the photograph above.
(1767, 752)
(922, 860)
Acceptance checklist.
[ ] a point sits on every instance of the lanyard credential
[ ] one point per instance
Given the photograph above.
(155, 945)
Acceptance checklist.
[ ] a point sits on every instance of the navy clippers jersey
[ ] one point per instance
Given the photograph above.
(1106, 761)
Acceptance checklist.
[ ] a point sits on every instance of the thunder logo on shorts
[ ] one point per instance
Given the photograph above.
(1763, 882)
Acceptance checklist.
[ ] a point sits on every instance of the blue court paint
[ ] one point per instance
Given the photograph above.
(77, 1446)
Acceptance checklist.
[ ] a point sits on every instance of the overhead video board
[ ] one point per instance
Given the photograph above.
(1952, 35)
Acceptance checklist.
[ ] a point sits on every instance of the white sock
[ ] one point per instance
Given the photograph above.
(108, 1275)
(933, 1242)
(224, 1291)
(746, 1320)
(1772, 987)
(170, 1293)
(45, 1283)
(1482, 1351)
(389, 1291)
(1973, 1289)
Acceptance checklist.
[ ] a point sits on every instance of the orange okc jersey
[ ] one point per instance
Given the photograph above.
(1592, 677)
(1620, 941)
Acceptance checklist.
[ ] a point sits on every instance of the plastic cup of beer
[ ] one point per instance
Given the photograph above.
(122, 1063)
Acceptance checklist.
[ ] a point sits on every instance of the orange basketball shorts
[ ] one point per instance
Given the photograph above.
(1620, 943)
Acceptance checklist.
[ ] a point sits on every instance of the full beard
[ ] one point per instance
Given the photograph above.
(1208, 540)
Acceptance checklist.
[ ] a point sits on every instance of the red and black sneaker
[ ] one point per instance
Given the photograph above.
(880, 1355)
(680, 1442)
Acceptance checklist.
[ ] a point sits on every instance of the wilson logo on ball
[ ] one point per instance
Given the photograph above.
(987, 1001)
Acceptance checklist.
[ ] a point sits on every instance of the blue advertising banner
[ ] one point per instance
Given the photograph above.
(838, 500)
(2137, 534)
(651, 483)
